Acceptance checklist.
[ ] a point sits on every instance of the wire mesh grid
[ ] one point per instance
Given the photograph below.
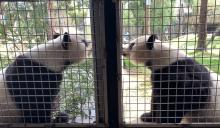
(173, 76)
(47, 67)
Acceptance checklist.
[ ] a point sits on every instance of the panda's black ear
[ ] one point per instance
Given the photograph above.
(66, 40)
(55, 35)
(66, 37)
(150, 41)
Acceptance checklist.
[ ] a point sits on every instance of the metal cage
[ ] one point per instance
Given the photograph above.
(170, 84)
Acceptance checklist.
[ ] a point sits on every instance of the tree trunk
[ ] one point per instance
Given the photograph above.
(201, 45)
(147, 20)
(50, 20)
(181, 18)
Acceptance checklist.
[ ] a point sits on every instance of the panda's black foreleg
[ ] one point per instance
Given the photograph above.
(164, 108)
(33, 88)
(61, 117)
(35, 109)
(147, 117)
(170, 116)
(167, 114)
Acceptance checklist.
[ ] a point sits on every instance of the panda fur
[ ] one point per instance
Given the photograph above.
(61, 117)
(182, 89)
(31, 82)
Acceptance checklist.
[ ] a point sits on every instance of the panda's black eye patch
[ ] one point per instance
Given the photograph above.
(85, 42)
(131, 46)
(66, 37)
(152, 38)
(66, 40)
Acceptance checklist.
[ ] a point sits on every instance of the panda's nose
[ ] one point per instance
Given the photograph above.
(124, 53)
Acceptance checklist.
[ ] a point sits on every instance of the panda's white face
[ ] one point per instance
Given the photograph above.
(56, 54)
(77, 49)
(160, 55)
(137, 51)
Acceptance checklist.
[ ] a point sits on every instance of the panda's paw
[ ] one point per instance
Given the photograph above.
(61, 117)
(147, 117)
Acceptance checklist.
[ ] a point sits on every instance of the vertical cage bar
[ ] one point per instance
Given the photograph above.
(98, 37)
(112, 49)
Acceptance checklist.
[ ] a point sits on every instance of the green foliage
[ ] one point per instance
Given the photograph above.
(209, 58)
(22, 20)
(128, 18)
(162, 14)
(195, 4)
(77, 10)
(213, 6)
(133, 13)
(2, 30)
(129, 65)
(77, 88)
(4, 61)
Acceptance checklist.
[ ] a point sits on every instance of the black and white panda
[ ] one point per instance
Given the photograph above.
(30, 84)
(183, 91)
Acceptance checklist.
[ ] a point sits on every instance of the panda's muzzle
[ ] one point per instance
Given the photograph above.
(124, 53)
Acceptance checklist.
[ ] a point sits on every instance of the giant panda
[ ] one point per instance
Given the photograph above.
(30, 84)
(183, 91)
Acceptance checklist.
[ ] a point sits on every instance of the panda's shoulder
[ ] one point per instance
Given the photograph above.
(187, 65)
(191, 65)
(19, 62)
(24, 64)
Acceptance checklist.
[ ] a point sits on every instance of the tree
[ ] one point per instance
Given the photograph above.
(201, 45)
(22, 20)
(147, 17)
(162, 15)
